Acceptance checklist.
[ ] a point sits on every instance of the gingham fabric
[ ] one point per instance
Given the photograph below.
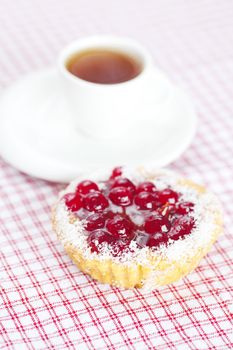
(46, 303)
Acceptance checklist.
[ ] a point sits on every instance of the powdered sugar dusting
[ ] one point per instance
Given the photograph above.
(71, 230)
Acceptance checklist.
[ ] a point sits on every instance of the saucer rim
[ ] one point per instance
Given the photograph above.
(41, 167)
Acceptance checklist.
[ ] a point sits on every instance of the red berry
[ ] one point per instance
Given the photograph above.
(146, 186)
(87, 186)
(144, 200)
(166, 196)
(123, 182)
(157, 239)
(73, 201)
(95, 201)
(156, 223)
(183, 208)
(181, 226)
(97, 238)
(121, 196)
(120, 227)
(116, 172)
(94, 222)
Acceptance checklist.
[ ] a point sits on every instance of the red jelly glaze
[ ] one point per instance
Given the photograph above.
(95, 201)
(73, 201)
(86, 187)
(165, 214)
(121, 196)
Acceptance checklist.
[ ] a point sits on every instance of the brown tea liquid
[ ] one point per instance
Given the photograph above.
(104, 66)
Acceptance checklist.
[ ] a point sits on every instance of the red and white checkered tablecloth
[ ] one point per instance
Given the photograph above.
(45, 302)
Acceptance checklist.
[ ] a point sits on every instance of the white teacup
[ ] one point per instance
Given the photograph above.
(113, 111)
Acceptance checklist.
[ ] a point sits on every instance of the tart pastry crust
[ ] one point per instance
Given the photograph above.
(145, 268)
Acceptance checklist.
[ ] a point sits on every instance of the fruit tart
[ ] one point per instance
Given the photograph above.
(136, 227)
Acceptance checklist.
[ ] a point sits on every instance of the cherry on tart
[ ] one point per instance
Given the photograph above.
(152, 205)
(73, 201)
(157, 223)
(99, 237)
(95, 222)
(181, 226)
(184, 208)
(86, 186)
(95, 201)
(146, 186)
(130, 218)
(121, 196)
(167, 196)
(144, 200)
(121, 227)
(123, 182)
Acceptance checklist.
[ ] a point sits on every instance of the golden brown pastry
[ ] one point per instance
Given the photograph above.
(136, 227)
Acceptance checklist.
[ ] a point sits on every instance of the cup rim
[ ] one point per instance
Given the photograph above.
(103, 41)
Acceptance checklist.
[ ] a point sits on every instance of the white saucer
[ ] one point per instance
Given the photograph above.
(37, 137)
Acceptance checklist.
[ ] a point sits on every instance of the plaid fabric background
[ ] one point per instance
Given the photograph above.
(46, 303)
